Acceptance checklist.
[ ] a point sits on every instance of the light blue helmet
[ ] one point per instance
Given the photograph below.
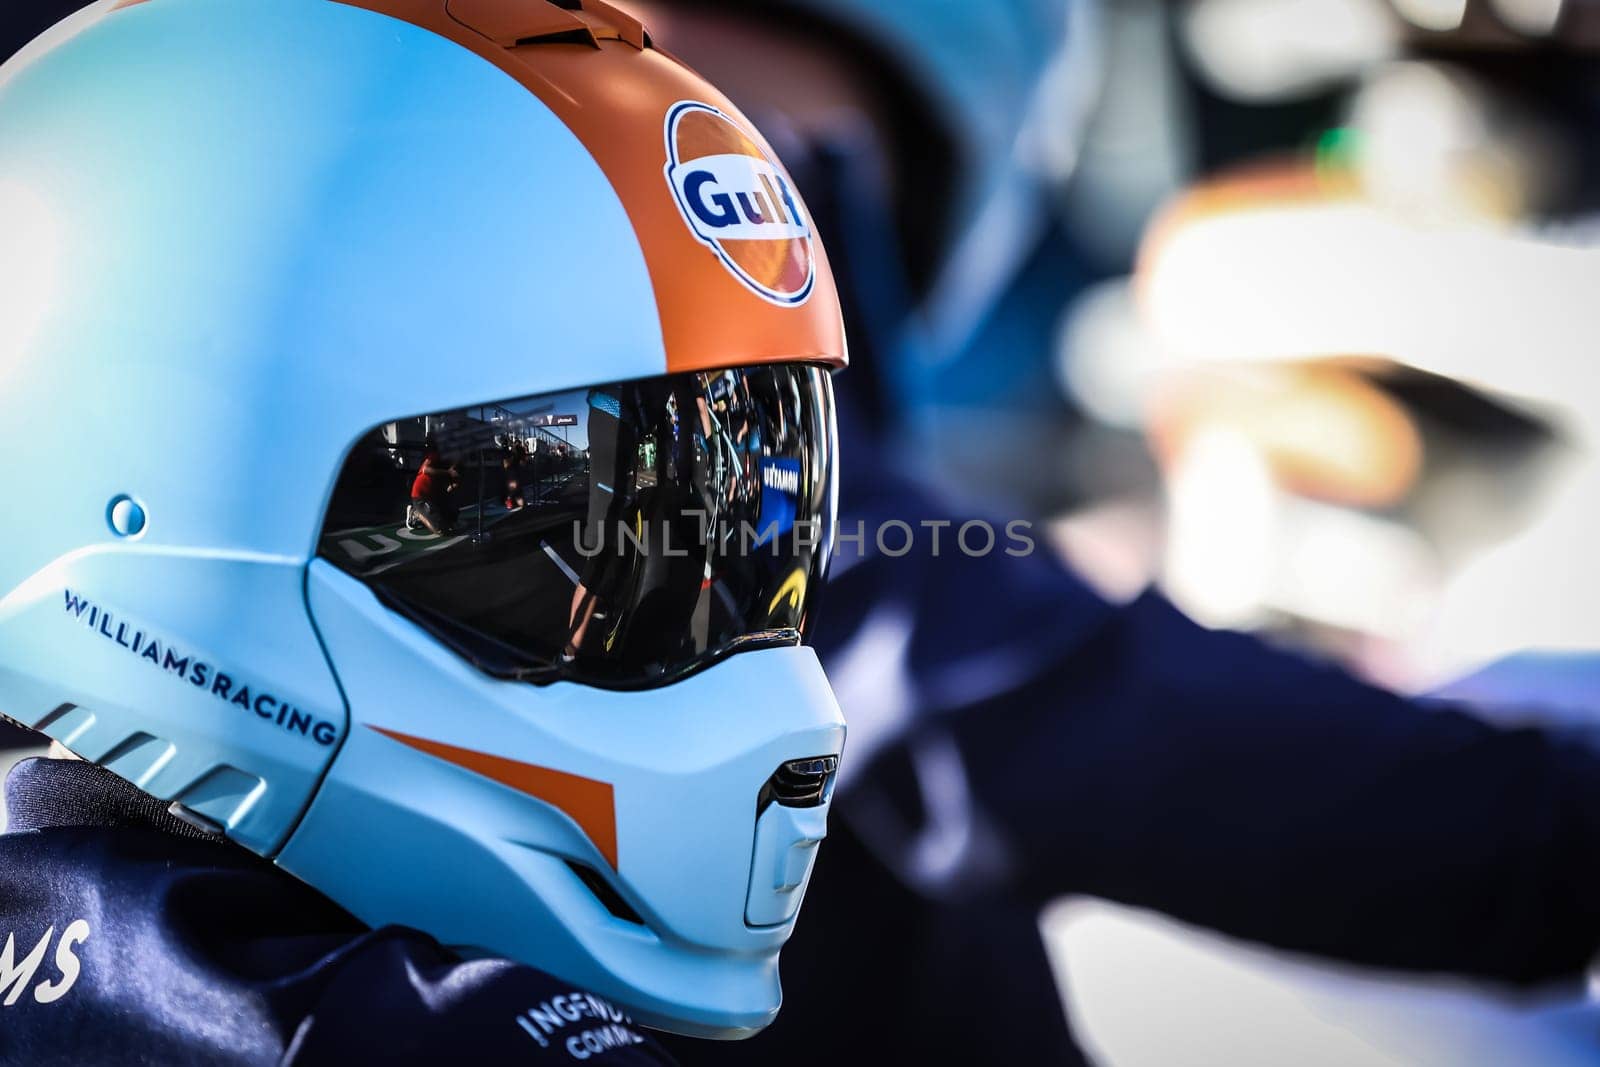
(318, 321)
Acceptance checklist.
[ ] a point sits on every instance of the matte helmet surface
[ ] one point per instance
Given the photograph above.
(242, 236)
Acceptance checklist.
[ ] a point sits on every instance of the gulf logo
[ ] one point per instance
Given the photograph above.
(738, 202)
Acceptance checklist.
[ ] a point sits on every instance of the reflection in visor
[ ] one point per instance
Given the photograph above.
(622, 535)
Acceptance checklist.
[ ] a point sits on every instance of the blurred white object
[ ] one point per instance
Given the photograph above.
(1106, 360)
(1435, 146)
(1416, 121)
(1223, 523)
(1241, 549)
(1534, 18)
(1488, 306)
(1492, 307)
(1142, 989)
(1268, 50)
(1398, 242)
(1537, 591)
(1438, 16)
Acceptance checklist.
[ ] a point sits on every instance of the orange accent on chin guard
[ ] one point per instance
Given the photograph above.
(588, 802)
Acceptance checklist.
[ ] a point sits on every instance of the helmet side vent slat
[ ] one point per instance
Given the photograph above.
(605, 893)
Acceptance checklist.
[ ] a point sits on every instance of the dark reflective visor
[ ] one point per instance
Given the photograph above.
(622, 536)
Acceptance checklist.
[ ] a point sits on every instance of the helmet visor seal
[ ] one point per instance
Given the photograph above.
(622, 535)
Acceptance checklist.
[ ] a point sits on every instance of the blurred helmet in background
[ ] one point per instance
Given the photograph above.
(1008, 83)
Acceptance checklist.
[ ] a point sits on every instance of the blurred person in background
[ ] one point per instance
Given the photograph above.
(1014, 735)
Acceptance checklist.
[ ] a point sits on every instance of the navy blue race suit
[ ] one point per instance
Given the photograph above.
(133, 938)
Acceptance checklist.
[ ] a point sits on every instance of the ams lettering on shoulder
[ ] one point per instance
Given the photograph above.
(17, 975)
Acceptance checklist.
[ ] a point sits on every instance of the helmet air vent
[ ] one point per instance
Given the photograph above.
(515, 23)
(605, 893)
(801, 783)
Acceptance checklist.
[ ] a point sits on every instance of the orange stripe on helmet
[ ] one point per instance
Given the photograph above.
(588, 802)
(722, 302)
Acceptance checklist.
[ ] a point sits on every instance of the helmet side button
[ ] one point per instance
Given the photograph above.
(126, 516)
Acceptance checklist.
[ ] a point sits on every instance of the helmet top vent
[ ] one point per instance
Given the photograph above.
(515, 23)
